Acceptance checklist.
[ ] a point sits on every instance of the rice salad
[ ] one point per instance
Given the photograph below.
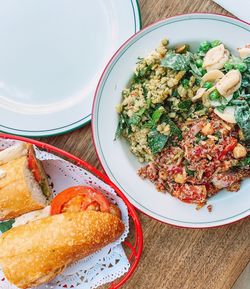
(186, 116)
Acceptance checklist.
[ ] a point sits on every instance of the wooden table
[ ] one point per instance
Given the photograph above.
(176, 258)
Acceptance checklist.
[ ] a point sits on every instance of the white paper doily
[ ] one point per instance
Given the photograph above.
(100, 268)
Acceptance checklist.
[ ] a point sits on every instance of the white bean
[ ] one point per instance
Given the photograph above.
(229, 83)
(215, 58)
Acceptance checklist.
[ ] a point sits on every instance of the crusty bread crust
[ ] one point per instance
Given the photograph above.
(15, 196)
(35, 253)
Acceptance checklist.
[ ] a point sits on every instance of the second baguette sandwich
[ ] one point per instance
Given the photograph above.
(23, 183)
(79, 222)
(35, 253)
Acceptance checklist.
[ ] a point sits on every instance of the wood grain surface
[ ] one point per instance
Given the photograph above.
(176, 258)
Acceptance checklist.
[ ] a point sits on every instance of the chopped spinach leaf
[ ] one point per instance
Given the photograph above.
(144, 72)
(136, 117)
(245, 83)
(199, 106)
(157, 114)
(195, 70)
(141, 74)
(156, 141)
(244, 162)
(185, 105)
(218, 134)
(247, 62)
(174, 130)
(236, 94)
(242, 116)
(200, 137)
(175, 93)
(245, 80)
(122, 124)
(189, 172)
(145, 91)
(148, 101)
(221, 108)
(185, 83)
(177, 61)
(5, 226)
(155, 117)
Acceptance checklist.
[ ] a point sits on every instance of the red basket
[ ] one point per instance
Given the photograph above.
(136, 248)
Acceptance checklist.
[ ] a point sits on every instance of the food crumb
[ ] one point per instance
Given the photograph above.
(199, 206)
(209, 208)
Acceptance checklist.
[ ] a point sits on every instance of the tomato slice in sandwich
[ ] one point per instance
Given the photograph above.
(80, 198)
(33, 166)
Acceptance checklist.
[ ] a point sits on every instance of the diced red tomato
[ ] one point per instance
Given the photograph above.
(176, 170)
(191, 193)
(229, 147)
(198, 151)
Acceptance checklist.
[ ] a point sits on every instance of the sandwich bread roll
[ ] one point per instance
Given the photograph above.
(35, 253)
(21, 189)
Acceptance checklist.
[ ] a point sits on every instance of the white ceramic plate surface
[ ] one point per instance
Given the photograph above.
(52, 54)
(118, 161)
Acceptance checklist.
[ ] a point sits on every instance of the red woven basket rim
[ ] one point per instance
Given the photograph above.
(136, 249)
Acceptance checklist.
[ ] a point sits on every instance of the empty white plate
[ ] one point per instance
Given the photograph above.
(52, 54)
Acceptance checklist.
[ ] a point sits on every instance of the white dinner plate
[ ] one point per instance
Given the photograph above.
(118, 161)
(52, 54)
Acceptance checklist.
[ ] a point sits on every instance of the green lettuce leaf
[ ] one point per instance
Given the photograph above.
(5, 226)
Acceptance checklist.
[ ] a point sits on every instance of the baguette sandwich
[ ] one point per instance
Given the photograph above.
(23, 183)
(79, 222)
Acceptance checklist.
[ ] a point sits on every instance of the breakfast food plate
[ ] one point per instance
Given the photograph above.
(74, 183)
(51, 57)
(181, 86)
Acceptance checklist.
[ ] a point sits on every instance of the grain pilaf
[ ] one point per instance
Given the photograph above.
(187, 115)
